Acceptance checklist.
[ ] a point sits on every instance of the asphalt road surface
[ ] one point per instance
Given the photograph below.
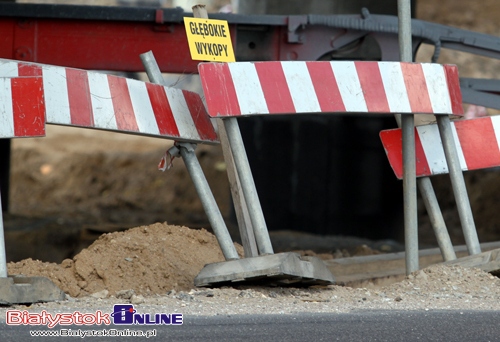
(355, 326)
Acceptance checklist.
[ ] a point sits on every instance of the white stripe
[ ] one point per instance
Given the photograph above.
(433, 148)
(182, 116)
(102, 104)
(349, 86)
(56, 95)
(301, 87)
(9, 68)
(495, 122)
(438, 88)
(6, 110)
(248, 89)
(461, 157)
(144, 114)
(395, 88)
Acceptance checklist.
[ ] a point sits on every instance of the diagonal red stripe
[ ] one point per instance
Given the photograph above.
(325, 86)
(479, 143)
(393, 145)
(451, 72)
(373, 87)
(275, 88)
(200, 117)
(80, 104)
(161, 108)
(28, 106)
(122, 104)
(416, 87)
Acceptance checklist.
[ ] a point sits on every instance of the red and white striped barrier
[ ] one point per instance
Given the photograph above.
(477, 142)
(249, 88)
(22, 109)
(96, 100)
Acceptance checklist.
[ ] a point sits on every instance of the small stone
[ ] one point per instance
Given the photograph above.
(246, 294)
(398, 299)
(136, 299)
(125, 294)
(185, 297)
(421, 275)
(129, 259)
(100, 295)
(273, 294)
(67, 263)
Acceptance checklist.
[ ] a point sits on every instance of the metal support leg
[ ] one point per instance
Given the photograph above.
(409, 165)
(240, 207)
(208, 201)
(410, 194)
(458, 185)
(3, 257)
(248, 186)
(437, 221)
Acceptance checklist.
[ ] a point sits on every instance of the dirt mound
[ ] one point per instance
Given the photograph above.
(148, 259)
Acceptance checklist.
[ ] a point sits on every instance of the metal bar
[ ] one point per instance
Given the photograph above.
(248, 186)
(408, 132)
(240, 207)
(152, 69)
(458, 185)
(208, 201)
(3, 257)
(410, 194)
(196, 173)
(436, 217)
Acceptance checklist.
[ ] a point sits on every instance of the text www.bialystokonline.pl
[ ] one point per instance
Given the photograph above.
(94, 333)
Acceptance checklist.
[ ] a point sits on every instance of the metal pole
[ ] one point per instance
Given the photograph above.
(424, 183)
(409, 165)
(152, 69)
(195, 171)
(248, 186)
(437, 221)
(3, 258)
(458, 185)
(208, 201)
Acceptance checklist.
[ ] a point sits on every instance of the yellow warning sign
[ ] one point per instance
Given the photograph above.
(209, 40)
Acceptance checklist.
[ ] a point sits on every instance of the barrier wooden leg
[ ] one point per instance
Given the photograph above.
(248, 186)
(458, 185)
(240, 206)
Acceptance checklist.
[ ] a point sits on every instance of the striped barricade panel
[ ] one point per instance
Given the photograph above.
(22, 108)
(477, 141)
(256, 88)
(95, 100)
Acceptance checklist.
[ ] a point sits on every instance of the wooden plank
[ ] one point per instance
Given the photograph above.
(487, 261)
(383, 269)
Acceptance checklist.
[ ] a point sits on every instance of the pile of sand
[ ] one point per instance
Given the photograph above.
(149, 259)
